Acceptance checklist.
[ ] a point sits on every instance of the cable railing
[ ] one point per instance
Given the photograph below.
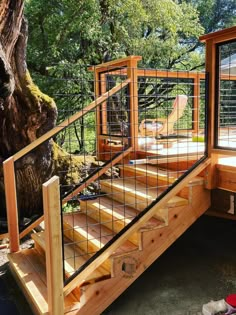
(45, 157)
(116, 168)
(103, 207)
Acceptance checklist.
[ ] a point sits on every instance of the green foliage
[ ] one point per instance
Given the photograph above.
(215, 14)
(65, 36)
(93, 31)
(71, 206)
(164, 32)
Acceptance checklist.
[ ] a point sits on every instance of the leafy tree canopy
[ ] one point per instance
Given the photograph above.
(164, 32)
(215, 14)
(70, 31)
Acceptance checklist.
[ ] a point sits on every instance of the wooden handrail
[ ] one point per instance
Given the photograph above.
(219, 36)
(170, 74)
(107, 66)
(70, 120)
(31, 226)
(105, 255)
(98, 174)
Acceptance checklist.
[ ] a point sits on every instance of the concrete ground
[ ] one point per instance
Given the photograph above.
(199, 267)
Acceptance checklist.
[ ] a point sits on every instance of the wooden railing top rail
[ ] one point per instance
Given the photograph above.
(160, 73)
(169, 74)
(69, 120)
(122, 62)
(219, 36)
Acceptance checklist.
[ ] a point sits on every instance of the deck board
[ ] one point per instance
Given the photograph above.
(30, 270)
(139, 191)
(31, 282)
(114, 211)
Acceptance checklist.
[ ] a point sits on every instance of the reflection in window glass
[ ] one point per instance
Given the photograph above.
(226, 111)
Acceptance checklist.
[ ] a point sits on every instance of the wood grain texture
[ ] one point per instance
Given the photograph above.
(154, 244)
(11, 204)
(108, 252)
(53, 237)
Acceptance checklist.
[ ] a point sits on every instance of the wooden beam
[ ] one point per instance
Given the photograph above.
(219, 36)
(224, 152)
(108, 252)
(11, 204)
(107, 66)
(54, 257)
(157, 73)
(31, 227)
(48, 135)
(133, 103)
(101, 112)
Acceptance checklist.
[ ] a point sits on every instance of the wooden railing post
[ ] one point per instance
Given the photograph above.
(11, 204)
(54, 257)
(133, 93)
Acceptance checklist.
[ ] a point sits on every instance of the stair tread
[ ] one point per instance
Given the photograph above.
(92, 231)
(117, 210)
(140, 190)
(30, 270)
(154, 171)
(74, 258)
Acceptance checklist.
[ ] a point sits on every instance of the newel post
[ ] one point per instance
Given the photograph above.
(53, 237)
(11, 204)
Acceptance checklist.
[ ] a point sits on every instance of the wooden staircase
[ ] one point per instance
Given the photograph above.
(98, 220)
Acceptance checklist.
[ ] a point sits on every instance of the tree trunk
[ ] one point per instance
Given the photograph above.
(26, 113)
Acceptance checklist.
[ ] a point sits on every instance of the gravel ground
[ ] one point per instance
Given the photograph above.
(26, 242)
(3, 256)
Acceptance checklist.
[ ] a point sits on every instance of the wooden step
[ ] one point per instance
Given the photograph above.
(154, 244)
(74, 258)
(150, 174)
(90, 236)
(114, 215)
(28, 267)
(155, 176)
(136, 194)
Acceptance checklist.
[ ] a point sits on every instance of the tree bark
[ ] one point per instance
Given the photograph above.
(25, 112)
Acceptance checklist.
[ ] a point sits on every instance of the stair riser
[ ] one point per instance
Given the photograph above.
(147, 179)
(161, 182)
(134, 201)
(107, 220)
(126, 197)
(39, 248)
(83, 244)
